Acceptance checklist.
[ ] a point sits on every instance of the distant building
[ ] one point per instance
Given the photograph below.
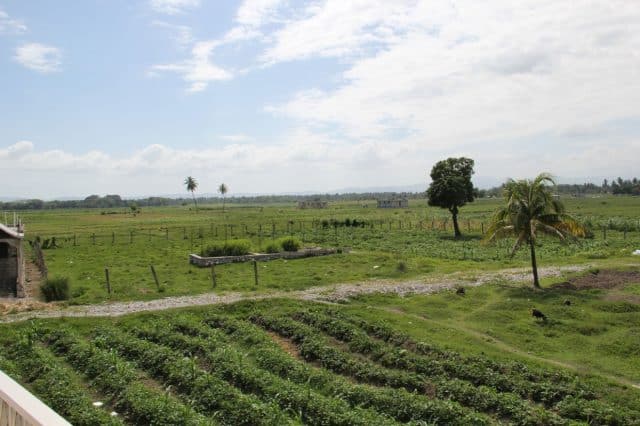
(396, 203)
(11, 261)
(312, 204)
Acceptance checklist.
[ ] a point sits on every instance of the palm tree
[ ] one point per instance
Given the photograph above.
(223, 190)
(530, 209)
(192, 185)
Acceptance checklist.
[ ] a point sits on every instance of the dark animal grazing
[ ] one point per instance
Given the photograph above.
(460, 291)
(537, 314)
(567, 302)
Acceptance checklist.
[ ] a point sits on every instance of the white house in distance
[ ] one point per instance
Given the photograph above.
(11, 260)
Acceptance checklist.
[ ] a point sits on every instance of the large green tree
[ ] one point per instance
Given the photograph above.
(530, 208)
(192, 185)
(451, 186)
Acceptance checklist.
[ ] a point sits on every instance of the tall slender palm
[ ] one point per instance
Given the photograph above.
(531, 209)
(192, 185)
(223, 189)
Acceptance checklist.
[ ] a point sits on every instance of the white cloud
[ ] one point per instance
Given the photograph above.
(39, 57)
(198, 71)
(181, 34)
(9, 25)
(451, 76)
(173, 7)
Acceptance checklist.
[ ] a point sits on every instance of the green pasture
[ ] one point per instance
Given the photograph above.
(589, 349)
(391, 243)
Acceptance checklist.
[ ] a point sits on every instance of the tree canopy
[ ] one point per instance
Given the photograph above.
(529, 209)
(451, 186)
(191, 185)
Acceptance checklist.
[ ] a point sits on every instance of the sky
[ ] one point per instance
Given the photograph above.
(273, 96)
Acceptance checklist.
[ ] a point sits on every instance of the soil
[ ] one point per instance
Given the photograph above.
(286, 345)
(604, 279)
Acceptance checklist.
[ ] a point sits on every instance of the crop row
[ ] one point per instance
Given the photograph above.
(383, 331)
(207, 392)
(402, 405)
(231, 365)
(314, 347)
(53, 384)
(393, 357)
(580, 403)
(120, 380)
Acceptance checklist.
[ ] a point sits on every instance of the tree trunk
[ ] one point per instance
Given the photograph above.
(194, 200)
(456, 228)
(534, 265)
(223, 201)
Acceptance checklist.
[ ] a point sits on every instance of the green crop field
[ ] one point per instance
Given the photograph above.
(385, 243)
(289, 362)
(445, 358)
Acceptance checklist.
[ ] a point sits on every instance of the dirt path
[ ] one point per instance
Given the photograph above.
(333, 293)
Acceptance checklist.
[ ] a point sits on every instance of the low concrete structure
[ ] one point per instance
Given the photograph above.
(312, 204)
(194, 259)
(396, 203)
(11, 260)
(19, 407)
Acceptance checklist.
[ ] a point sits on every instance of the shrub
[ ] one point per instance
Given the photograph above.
(229, 248)
(401, 267)
(273, 247)
(55, 289)
(290, 243)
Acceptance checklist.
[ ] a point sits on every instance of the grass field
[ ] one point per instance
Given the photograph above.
(437, 359)
(445, 358)
(393, 243)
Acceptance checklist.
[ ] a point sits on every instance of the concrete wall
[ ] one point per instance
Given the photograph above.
(8, 269)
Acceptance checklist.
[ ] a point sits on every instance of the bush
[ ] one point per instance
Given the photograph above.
(290, 243)
(229, 248)
(55, 289)
(273, 247)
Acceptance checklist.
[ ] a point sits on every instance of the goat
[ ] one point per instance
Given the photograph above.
(538, 314)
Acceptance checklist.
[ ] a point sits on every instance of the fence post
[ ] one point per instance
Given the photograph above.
(255, 271)
(130, 237)
(213, 274)
(155, 277)
(93, 237)
(74, 240)
(166, 233)
(482, 227)
(113, 237)
(106, 274)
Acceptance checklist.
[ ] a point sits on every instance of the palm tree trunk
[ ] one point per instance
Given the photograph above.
(223, 201)
(456, 228)
(534, 265)
(194, 200)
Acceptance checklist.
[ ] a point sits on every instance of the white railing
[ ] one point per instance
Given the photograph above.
(18, 407)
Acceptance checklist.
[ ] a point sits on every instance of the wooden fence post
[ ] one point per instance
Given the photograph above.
(74, 240)
(213, 275)
(155, 277)
(113, 237)
(106, 273)
(255, 271)
(93, 237)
